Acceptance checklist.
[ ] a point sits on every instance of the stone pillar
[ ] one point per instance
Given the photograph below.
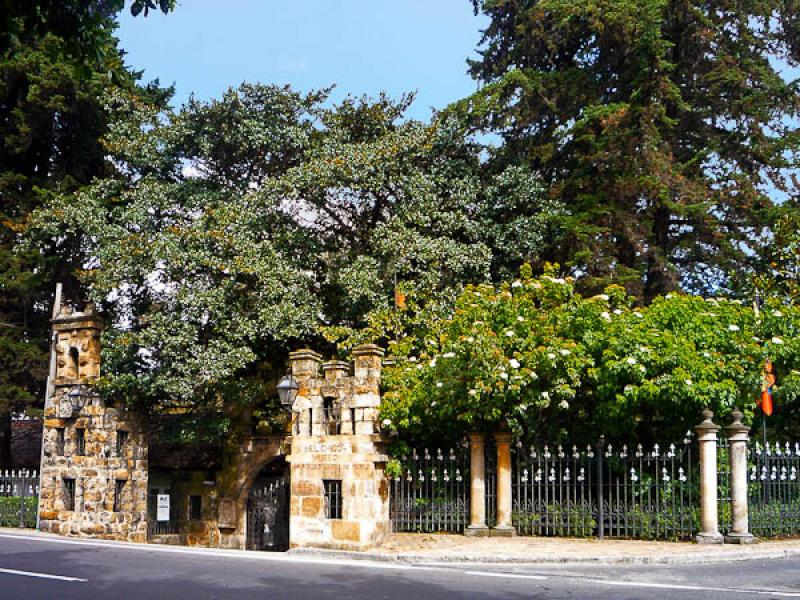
(707, 440)
(738, 436)
(477, 499)
(367, 361)
(504, 528)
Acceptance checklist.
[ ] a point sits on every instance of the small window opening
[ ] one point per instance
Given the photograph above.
(195, 508)
(80, 442)
(69, 494)
(119, 488)
(333, 498)
(74, 362)
(122, 441)
(60, 441)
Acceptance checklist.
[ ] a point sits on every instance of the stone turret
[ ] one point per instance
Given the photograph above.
(94, 459)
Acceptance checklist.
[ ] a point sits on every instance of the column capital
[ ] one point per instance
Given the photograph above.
(476, 437)
(502, 437)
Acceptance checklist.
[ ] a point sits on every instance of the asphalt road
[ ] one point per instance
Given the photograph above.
(33, 568)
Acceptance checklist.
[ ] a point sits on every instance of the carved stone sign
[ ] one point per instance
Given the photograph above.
(226, 516)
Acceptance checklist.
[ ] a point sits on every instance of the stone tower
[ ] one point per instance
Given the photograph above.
(339, 489)
(94, 459)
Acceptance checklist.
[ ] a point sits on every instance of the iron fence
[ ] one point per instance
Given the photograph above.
(431, 493)
(19, 498)
(603, 491)
(774, 489)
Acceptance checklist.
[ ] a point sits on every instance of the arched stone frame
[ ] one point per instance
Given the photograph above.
(256, 454)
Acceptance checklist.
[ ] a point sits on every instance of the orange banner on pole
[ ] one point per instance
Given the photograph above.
(768, 382)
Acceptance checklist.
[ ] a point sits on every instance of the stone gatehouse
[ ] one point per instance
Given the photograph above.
(321, 483)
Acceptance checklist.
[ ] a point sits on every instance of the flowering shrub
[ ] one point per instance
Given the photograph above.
(555, 364)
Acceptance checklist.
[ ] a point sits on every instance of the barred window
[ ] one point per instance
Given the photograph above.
(60, 441)
(119, 488)
(122, 441)
(80, 442)
(195, 508)
(333, 498)
(69, 493)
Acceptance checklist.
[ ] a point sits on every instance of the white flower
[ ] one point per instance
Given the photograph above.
(478, 294)
(603, 297)
(520, 318)
(470, 339)
(551, 356)
(777, 340)
(478, 323)
(638, 315)
(644, 349)
(554, 279)
(516, 284)
(473, 392)
(534, 375)
(413, 359)
(503, 375)
(733, 327)
(432, 363)
(707, 354)
(617, 311)
(387, 422)
(668, 296)
(439, 384)
(433, 403)
(546, 395)
(777, 313)
(605, 315)
(631, 360)
(642, 369)
(509, 333)
(449, 355)
(687, 381)
(419, 366)
(564, 352)
(563, 404)
(431, 343)
(514, 363)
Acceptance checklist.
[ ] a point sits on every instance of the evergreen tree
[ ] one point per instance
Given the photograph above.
(663, 125)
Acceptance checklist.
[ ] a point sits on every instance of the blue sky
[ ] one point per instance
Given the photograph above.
(363, 46)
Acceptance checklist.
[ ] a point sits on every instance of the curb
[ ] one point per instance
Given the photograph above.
(517, 559)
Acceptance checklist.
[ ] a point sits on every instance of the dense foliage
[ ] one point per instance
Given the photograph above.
(665, 126)
(235, 228)
(555, 364)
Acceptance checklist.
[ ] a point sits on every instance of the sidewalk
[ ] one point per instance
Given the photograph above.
(439, 548)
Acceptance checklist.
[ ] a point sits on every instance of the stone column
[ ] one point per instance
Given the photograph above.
(707, 440)
(477, 498)
(504, 528)
(738, 436)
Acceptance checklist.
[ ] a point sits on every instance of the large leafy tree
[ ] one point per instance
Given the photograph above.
(236, 228)
(56, 60)
(664, 125)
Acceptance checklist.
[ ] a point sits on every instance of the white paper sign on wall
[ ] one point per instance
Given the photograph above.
(162, 507)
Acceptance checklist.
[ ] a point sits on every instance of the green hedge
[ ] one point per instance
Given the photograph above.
(10, 507)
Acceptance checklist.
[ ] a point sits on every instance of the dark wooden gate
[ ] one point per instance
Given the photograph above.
(268, 514)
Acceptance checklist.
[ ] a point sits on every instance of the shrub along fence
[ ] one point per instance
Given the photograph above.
(19, 498)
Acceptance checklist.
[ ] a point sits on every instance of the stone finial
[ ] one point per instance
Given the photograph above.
(707, 424)
(334, 370)
(737, 427)
(367, 360)
(305, 363)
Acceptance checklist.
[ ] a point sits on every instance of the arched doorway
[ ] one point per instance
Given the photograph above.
(268, 508)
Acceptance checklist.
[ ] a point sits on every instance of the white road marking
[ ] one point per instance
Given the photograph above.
(691, 588)
(503, 575)
(41, 575)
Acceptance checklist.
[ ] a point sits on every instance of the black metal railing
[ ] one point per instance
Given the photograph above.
(431, 494)
(606, 492)
(774, 489)
(19, 498)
